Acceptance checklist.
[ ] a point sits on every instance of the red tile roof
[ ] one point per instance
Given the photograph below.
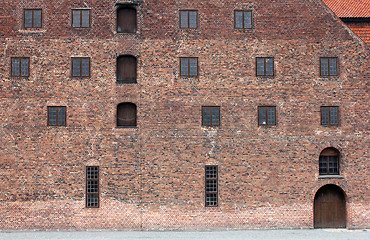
(349, 8)
(362, 30)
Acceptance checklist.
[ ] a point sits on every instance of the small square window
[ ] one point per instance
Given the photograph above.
(188, 19)
(81, 67)
(20, 67)
(211, 186)
(81, 18)
(328, 67)
(211, 116)
(329, 115)
(189, 67)
(266, 115)
(243, 19)
(56, 116)
(265, 66)
(92, 187)
(32, 18)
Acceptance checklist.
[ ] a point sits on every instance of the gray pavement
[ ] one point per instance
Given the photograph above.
(312, 234)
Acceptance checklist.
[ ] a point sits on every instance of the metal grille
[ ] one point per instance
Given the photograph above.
(211, 186)
(92, 186)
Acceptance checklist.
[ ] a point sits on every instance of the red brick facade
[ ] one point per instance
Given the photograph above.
(152, 176)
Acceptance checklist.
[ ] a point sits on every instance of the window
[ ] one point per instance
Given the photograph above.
(243, 19)
(189, 67)
(32, 18)
(188, 19)
(20, 67)
(126, 20)
(81, 67)
(328, 67)
(211, 186)
(329, 162)
(92, 187)
(266, 115)
(81, 18)
(211, 116)
(265, 66)
(126, 115)
(126, 69)
(56, 116)
(329, 115)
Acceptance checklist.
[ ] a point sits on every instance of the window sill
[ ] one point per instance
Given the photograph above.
(134, 127)
(126, 82)
(331, 176)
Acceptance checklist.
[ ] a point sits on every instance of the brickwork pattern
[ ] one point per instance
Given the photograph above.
(152, 176)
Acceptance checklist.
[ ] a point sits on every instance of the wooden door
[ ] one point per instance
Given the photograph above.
(330, 208)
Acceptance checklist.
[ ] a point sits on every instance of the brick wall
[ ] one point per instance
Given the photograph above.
(152, 176)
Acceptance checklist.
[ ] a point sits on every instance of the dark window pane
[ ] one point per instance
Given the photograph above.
(215, 116)
(37, 18)
(324, 66)
(76, 15)
(192, 19)
(85, 67)
(248, 19)
(325, 115)
(126, 114)
(126, 20)
(262, 115)
(24, 66)
(85, 18)
(206, 115)
(76, 69)
(16, 66)
(271, 115)
(52, 115)
(211, 186)
(193, 66)
(269, 67)
(184, 65)
(260, 66)
(334, 115)
(332, 66)
(28, 18)
(184, 19)
(238, 19)
(61, 115)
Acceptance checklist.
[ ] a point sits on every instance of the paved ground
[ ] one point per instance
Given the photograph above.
(317, 234)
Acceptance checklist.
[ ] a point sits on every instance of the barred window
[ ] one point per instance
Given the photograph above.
(211, 116)
(92, 187)
(32, 18)
(211, 186)
(20, 67)
(265, 66)
(329, 115)
(329, 162)
(267, 115)
(81, 18)
(56, 116)
(80, 67)
(243, 19)
(126, 115)
(189, 67)
(188, 19)
(328, 66)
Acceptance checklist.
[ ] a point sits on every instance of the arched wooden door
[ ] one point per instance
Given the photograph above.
(330, 208)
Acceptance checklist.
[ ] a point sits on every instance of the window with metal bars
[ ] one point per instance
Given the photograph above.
(20, 67)
(329, 115)
(211, 186)
(211, 116)
(328, 66)
(329, 162)
(56, 116)
(267, 115)
(189, 67)
(32, 18)
(126, 115)
(264, 67)
(81, 67)
(126, 20)
(92, 187)
(243, 19)
(81, 18)
(188, 19)
(126, 69)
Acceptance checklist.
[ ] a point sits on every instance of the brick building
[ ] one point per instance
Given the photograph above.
(187, 114)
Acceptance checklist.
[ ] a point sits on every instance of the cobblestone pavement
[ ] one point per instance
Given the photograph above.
(317, 234)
